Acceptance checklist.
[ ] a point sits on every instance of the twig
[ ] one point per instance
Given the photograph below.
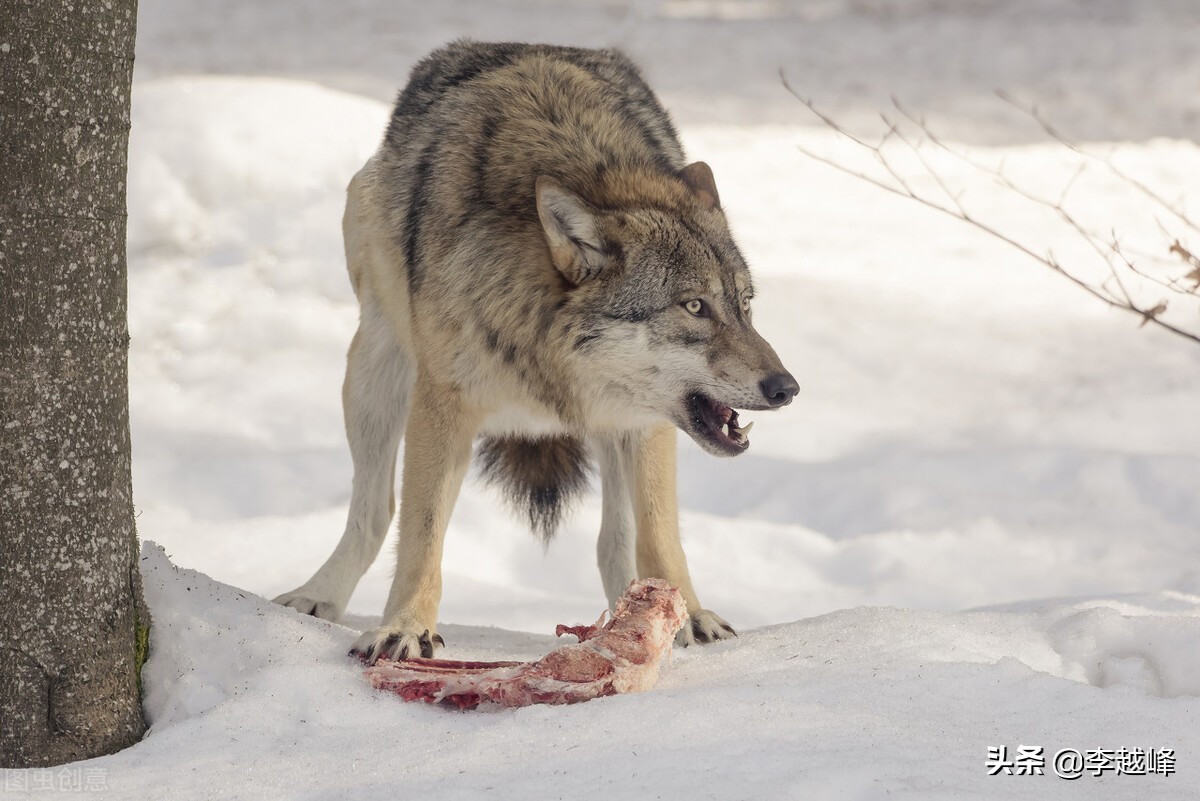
(1093, 239)
(1053, 133)
(1110, 251)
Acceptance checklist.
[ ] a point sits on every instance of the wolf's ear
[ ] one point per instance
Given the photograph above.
(699, 179)
(571, 231)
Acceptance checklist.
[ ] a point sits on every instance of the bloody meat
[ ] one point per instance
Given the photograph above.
(618, 656)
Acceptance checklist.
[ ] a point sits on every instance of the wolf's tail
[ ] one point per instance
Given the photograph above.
(541, 476)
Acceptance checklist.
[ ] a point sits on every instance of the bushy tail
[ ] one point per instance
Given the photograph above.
(541, 476)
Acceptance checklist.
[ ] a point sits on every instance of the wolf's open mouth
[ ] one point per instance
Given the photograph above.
(717, 423)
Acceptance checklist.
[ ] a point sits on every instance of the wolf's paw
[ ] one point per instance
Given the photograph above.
(703, 626)
(303, 602)
(399, 640)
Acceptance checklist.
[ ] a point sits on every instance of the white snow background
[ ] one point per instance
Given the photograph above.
(978, 525)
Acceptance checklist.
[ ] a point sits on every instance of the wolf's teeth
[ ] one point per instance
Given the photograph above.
(739, 433)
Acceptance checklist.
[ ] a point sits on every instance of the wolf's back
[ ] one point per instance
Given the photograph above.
(478, 123)
(436, 76)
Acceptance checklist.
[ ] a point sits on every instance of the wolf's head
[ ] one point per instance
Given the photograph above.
(659, 301)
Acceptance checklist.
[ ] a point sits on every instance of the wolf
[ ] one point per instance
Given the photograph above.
(537, 267)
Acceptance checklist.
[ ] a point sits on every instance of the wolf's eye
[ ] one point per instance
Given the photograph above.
(746, 303)
(695, 306)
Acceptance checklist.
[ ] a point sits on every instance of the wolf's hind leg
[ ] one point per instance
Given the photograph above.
(659, 551)
(375, 399)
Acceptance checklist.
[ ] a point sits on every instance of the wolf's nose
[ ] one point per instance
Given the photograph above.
(779, 389)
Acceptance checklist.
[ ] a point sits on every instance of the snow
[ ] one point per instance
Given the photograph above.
(249, 700)
(975, 527)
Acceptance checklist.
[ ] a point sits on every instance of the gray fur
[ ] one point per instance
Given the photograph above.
(537, 260)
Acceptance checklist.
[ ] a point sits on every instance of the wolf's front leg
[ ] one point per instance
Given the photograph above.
(659, 551)
(437, 452)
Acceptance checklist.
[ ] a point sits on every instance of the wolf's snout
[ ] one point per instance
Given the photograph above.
(779, 389)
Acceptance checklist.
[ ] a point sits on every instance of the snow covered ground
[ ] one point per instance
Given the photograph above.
(977, 526)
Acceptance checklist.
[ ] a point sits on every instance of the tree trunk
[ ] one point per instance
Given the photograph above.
(72, 622)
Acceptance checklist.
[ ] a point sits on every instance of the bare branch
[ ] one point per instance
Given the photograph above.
(915, 147)
(1113, 290)
(999, 175)
(1054, 134)
(812, 107)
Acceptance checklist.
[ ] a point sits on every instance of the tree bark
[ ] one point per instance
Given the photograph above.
(72, 622)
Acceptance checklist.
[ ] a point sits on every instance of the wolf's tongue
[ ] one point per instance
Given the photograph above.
(721, 420)
(714, 413)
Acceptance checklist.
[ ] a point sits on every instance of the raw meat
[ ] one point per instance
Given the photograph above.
(620, 656)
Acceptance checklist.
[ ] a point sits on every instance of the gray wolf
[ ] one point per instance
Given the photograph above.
(536, 266)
